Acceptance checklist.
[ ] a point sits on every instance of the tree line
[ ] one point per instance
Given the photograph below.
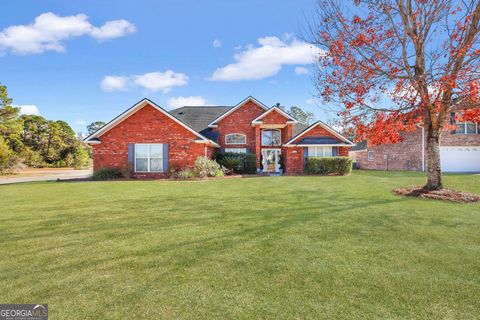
(34, 141)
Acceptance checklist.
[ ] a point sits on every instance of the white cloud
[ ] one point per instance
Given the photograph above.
(81, 122)
(114, 83)
(301, 70)
(49, 30)
(153, 81)
(113, 29)
(217, 43)
(29, 109)
(161, 81)
(178, 102)
(311, 101)
(267, 59)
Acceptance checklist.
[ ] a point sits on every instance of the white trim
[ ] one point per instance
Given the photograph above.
(321, 145)
(236, 133)
(326, 127)
(269, 145)
(139, 105)
(283, 113)
(249, 98)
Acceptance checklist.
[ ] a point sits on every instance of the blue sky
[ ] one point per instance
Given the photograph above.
(82, 61)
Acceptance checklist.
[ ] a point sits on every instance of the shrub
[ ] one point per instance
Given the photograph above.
(32, 158)
(329, 166)
(231, 163)
(185, 174)
(250, 164)
(81, 158)
(7, 157)
(244, 163)
(205, 167)
(107, 174)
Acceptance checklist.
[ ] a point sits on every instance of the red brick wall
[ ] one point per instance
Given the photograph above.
(274, 117)
(459, 140)
(240, 121)
(147, 125)
(407, 155)
(293, 160)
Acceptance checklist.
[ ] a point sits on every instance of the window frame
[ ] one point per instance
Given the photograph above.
(149, 158)
(236, 134)
(370, 158)
(270, 145)
(228, 150)
(323, 152)
(464, 128)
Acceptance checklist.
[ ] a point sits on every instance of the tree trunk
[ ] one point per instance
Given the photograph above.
(434, 172)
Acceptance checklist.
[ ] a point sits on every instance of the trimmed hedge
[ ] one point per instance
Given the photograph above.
(107, 174)
(329, 166)
(240, 163)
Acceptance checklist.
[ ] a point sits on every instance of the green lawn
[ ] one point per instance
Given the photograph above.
(257, 248)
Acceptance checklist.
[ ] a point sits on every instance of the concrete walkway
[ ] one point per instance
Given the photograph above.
(30, 175)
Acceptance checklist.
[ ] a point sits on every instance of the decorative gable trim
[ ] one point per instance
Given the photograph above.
(236, 107)
(274, 108)
(347, 143)
(93, 138)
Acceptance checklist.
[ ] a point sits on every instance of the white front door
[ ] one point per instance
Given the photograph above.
(271, 160)
(460, 159)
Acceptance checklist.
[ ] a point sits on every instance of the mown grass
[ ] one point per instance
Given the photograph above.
(279, 247)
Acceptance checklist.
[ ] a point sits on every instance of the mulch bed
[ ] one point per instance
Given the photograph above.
(443, 194)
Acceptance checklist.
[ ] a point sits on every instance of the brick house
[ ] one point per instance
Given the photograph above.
(151, 140)
(459, 151)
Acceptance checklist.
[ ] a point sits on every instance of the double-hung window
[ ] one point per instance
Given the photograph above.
(320, 151)
(148, 157)
(236, 150)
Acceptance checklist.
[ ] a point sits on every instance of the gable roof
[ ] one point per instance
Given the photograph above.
(326, 127)
(277, 109)
(237, 106)
(198, 117)
(93, 138)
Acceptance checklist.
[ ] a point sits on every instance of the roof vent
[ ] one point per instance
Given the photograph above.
(181, 112)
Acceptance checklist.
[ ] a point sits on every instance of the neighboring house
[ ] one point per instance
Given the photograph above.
(152, 140)
(459, 151)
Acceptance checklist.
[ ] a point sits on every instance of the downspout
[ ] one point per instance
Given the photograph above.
(423, 147)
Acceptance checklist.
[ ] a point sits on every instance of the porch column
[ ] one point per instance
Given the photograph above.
(258, 136)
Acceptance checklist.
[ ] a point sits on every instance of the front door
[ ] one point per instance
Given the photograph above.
(271, 160)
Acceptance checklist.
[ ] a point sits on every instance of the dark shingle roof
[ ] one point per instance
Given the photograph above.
(319, 140)
(360, 146)
(199, 117)
(298, 128)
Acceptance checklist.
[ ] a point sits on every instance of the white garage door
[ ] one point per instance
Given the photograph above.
(460, 159)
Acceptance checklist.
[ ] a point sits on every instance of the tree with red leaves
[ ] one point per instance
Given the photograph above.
(393, 65)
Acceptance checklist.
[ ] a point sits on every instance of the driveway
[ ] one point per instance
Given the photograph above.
(29, 175)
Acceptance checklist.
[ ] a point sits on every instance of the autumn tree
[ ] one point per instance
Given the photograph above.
(391, 66)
